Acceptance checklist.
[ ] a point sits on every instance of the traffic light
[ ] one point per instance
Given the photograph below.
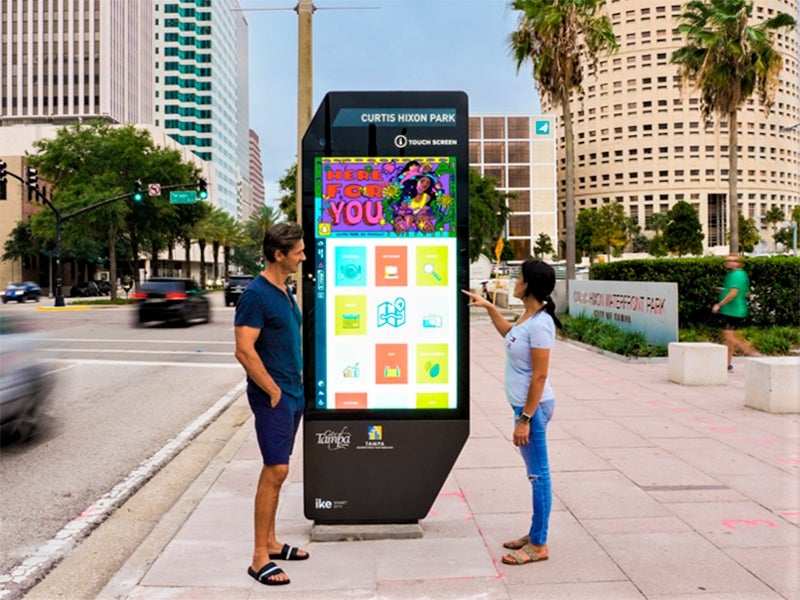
(32, 177)
(3, 169)
(203, 187)
(138, 192)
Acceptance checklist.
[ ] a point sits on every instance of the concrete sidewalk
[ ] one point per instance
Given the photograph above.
(661, 491)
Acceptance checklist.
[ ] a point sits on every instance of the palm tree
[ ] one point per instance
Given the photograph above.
(772, 217)
(226, 233)
(558, 37)
(658, 222)
(258, 224)
(728, 60)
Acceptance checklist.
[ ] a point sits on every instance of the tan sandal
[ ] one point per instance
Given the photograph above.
(517, 544)
(523, 556)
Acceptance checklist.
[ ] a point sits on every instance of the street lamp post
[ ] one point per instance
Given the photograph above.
(793, 225)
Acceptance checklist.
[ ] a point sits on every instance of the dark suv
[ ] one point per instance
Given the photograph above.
(235, 286)
(171, 299)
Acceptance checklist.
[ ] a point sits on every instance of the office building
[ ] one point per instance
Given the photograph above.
(519, 153)
(61, 61)
(641, 140)
(201, 91)
(256, 178)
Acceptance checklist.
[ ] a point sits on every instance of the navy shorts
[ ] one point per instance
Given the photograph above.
(276, 427)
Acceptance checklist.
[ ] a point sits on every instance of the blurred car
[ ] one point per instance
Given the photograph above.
(171, 299)
(234, 287)
(104, 286)
(24, 385)
(22, 291)
(85, 289)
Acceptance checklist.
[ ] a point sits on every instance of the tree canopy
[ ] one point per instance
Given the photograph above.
(558, 38)
(488, 213)
(728, 60)
(87, 163)
(683, 233)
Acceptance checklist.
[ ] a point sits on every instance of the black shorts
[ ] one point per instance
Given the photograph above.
(276, 427)
(731, 323)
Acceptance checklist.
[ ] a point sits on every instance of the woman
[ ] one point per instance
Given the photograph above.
(528, 342)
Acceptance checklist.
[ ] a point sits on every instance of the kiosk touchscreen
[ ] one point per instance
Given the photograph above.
(385, 189)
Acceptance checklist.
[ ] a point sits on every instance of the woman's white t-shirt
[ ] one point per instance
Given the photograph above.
(537, 332)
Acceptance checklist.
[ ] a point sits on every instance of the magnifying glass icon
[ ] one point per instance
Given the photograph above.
(429, 269)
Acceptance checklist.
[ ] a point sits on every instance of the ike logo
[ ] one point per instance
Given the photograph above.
(323, 504)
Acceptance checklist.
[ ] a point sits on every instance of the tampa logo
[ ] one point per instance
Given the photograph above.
(334, 440)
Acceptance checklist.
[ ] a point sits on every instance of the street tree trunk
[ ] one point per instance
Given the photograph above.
(187, 244)
(569, 196)
(733, 164)
(112, 261)
(202, 243)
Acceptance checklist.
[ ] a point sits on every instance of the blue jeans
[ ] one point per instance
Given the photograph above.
(534, 453)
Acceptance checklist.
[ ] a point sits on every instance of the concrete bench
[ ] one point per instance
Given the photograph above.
(697, 363)
(772, 384)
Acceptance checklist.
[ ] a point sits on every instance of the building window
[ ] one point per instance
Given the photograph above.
(494, 152)
(518, 152)
(494, 128)
(518, 128)
(519, 177)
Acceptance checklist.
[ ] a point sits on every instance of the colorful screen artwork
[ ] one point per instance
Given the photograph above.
(385, 265)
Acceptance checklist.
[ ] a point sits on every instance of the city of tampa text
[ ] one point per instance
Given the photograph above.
(643, 304)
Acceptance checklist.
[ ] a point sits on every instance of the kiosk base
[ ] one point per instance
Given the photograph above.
(360, 533)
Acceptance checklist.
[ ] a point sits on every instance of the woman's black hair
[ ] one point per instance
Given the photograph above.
(540, 281)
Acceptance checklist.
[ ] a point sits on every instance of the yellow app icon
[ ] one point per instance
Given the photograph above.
(324, 229)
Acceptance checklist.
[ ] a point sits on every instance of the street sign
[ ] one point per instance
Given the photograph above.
(154, 189)
(183, 197)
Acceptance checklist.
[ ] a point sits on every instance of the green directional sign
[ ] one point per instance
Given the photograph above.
(183, 197)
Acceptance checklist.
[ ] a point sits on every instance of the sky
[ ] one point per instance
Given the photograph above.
(440, 45)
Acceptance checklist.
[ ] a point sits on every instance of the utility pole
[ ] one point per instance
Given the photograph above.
(305, 87)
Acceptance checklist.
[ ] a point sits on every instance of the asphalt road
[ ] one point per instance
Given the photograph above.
(120, 395)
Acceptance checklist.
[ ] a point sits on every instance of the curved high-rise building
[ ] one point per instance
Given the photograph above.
(640, 138)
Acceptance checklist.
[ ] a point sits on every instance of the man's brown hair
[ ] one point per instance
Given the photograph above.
(283, 237)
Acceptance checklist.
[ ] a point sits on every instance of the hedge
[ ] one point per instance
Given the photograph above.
(774, 285)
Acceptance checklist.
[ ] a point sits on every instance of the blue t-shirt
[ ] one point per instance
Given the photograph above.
(537, 332)
(279, 345)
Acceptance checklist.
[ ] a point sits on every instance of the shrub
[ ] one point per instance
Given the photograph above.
(774, 286)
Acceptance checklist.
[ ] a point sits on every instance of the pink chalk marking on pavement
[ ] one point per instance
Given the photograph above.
(734, 523)
(457, 494)
(761, 442)
(724, 429)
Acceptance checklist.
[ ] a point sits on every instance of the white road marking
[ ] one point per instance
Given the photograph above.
(60, 545)
(134, 341)
(143, 363)
(107, 350)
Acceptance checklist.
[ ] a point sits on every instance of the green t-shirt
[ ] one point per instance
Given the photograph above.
(738, 306)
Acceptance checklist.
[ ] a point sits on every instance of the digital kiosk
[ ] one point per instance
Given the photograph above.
(385, 182)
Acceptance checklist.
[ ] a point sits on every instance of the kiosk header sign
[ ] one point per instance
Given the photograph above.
(386, 328)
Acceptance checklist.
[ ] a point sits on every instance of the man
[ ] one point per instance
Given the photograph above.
(268, 346)
(732, 307)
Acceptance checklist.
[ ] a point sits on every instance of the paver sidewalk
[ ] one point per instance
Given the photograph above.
(661, 491)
